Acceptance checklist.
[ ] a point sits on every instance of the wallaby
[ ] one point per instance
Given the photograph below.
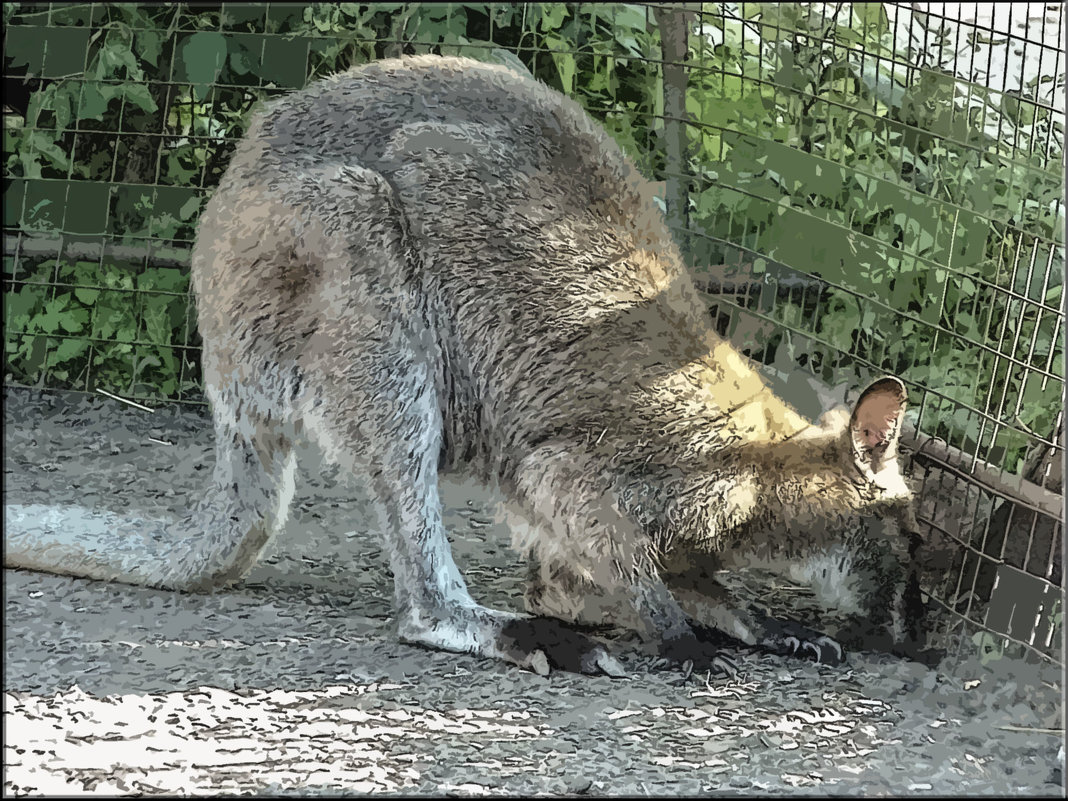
(431, 261)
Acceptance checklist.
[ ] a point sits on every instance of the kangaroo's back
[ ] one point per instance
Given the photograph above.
(535, 245)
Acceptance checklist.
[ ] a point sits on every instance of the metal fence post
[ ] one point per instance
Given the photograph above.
(674, 25)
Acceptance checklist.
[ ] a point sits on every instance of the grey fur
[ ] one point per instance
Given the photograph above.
(436, 259)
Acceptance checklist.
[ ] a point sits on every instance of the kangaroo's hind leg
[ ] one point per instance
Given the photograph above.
(252, 489)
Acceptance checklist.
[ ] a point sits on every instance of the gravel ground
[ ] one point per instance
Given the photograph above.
(294, 682)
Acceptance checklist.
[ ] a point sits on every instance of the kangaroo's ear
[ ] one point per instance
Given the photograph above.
(875, 424)
(832, 424)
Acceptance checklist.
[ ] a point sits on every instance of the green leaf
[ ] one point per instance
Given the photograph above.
(86, 295)
(1021, 111)
(149, 45)
(138, 95)
(166, 279)
(564, 61)
(115, 54)
(95, 98)
(42, 143)
(873, 17)
(69, 349)
(157, 322)
(73, 320)
(189, 208)
(240, 63)
(319, 14)
(628, 17)
(552, 16)
(19, 306)
(62, 103)
(50, 319)
(203, 55)
(628, 23)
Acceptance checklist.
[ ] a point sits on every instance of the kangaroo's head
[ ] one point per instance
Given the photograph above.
(843, 491)
(844, 468)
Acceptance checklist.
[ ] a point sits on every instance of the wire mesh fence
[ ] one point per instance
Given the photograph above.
(881, 160)
(861, 188)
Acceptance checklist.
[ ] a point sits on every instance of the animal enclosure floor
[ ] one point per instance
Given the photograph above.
(294, 682)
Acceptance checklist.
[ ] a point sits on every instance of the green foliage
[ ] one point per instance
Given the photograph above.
(883, 179)
(887, 184)
(86, 324)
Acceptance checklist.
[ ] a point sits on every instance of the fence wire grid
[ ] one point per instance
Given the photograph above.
(861, 189)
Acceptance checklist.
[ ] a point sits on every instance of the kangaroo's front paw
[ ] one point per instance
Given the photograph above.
(787, 638)
(695, 654)
(541, 643)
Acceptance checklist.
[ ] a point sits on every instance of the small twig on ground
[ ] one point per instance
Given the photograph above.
(1032, 729)
(130, 402)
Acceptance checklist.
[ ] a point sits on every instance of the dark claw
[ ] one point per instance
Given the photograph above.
(792, 639)
(542, 643)
(835, 649)
(691, 653)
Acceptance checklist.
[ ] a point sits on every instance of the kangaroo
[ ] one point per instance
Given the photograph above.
(431, 261)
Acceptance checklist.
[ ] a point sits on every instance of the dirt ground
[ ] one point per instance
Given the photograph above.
(294, 681)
